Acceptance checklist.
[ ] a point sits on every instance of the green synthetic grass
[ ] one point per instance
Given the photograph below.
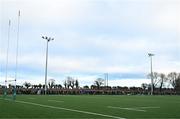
(90, 106)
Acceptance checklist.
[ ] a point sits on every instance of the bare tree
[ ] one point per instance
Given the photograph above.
(65, 84)
(70, 82)
(172, 77)
(162, 79)
(77, 83)
(99, 82)
(59, 86)
(27, 85)
(177, 87)
(144, 86)
(51, 83)
(155, 79)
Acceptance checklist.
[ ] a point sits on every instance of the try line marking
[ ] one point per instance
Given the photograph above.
(67, 109)
(141, 109)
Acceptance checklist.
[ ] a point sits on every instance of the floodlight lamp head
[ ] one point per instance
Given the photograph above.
(150, 54)
(52, 39)
(43, 37)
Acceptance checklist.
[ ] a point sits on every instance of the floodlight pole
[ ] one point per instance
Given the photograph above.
(48, 40)
(106, 80)
(151, 55)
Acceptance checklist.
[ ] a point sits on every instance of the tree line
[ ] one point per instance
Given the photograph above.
(161, 80)
(162, 84)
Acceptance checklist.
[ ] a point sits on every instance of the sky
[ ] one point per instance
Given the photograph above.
(91, 37)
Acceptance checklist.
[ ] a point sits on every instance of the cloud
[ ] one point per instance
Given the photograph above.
(126, 82)
(93, 36)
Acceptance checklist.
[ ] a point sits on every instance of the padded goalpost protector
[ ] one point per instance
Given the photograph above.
(13, 90)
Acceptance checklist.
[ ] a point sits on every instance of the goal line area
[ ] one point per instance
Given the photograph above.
(8, 89)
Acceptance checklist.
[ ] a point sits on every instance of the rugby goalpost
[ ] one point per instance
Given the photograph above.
(9, 87)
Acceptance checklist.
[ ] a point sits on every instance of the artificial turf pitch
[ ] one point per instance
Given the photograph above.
(91, 106)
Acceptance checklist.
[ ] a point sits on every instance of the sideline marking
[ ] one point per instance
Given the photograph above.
(72, 110)
(131, 109)
(55, 101)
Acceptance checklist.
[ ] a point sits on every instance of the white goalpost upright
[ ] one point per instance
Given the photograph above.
(17, 46)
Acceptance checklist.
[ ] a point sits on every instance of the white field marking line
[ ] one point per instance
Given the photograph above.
(134, 108)
(72, 110)
(148, 107)
(91, 118)
(131, 109)
(7, 99)
(55, 101)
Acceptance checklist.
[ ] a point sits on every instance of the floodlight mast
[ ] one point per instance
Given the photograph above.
(48, 40)
(106, 80)
(152, 90)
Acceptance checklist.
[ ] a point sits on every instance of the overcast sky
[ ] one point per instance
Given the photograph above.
(92, 37)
